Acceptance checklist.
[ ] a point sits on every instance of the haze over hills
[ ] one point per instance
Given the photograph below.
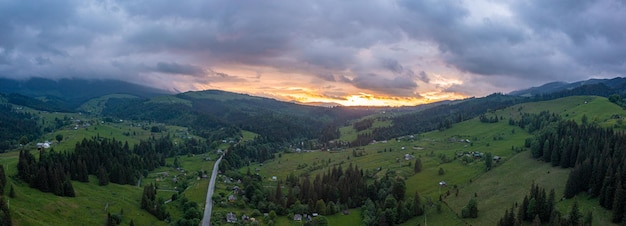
(185, 129)
(617, 84)
(75, 91)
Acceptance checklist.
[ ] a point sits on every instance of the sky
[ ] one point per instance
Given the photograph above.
(375, 52)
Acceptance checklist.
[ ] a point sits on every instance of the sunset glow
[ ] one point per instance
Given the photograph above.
(381, 52)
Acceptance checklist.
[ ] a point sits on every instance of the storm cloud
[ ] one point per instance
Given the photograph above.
(370, 47)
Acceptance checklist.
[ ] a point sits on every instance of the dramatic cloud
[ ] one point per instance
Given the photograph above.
(398, 51)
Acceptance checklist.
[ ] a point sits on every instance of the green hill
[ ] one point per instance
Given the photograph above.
(496, 190)
(450, 150)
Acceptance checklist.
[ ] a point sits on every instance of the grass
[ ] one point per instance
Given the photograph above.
(349, 134)
(496, 190)
(218, 95)
(32, 207)
(600, 215)
(248, 136)
(96, 105)
(354, 218)
(597, 109)
(169, 100)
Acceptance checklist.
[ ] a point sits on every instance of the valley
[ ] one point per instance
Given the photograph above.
(273, 170)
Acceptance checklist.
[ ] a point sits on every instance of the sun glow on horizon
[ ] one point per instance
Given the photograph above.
(302, 89)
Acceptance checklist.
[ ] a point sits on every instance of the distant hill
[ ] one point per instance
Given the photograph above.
(615, 84)
(211, 109)
(73, 91)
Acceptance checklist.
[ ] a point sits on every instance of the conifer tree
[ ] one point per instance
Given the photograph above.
(417, 167)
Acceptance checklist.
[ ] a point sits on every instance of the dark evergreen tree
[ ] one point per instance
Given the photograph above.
(488, 161)
(12, 193)
(5, 214)
(417, 167)
(619, 203)
(575, 215)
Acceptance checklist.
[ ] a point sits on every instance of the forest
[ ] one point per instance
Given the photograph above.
(16, 126)
(597, 157)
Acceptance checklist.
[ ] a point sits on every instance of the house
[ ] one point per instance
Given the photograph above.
(496, 158)
(232, 198)
(274, 178)
(315, 214)
(297, 217)
(231, 218)
(43, 145)
(245, 218)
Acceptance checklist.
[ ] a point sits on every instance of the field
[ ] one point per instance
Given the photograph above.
(496, 190)
(93, 202)
(348, 133)
(451, 150)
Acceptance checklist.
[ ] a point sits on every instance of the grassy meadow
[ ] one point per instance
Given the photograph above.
(496, 190)
(93, 202)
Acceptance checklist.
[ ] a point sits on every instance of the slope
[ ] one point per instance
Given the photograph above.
(496, 190)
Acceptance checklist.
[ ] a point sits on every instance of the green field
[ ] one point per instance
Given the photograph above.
(95, 105)
(348, 133)
(496, 190)
(32, 207)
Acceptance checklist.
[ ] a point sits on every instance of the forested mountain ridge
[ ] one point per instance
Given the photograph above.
(615, 85)
(72, 92)
(277, 120)
(214, 114)
(211, 109)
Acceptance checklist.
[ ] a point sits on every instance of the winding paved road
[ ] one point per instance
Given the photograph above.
(206, 220)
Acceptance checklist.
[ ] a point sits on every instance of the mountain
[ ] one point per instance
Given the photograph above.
(74, 91)
(616, 84)
(206, 111)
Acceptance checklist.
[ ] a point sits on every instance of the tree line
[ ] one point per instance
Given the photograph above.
(108, 159)
(5, 214)
(537, 208)
(14, 125)
(383, 200)
(597, 157)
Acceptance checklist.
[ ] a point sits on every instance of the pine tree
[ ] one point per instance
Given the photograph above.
(521, 213)
(618, 203)
(278, 198)
(536, 221)
(574, 214)
(5, 214)
(68, 189)
(3, 178)
(418, 210)
(12, 192)
(103, 176)
(417, 167)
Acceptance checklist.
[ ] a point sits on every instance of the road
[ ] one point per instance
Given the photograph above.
(206, 220)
